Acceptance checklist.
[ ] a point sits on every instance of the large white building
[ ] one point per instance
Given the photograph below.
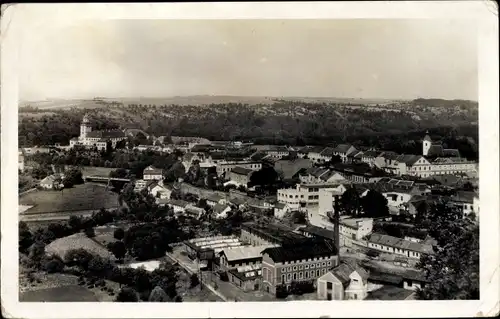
(98, 139)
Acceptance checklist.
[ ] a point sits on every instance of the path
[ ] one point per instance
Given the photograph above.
(194, 271)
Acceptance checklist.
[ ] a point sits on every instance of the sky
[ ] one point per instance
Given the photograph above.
(395, 59)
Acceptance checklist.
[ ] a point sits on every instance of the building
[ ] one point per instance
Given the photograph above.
(52, 182)
(354, 229)
(306, 195)
(240, 175)
(20, 160)
(303, 261)
(281, 209)
(226, 166)
(344, 282)
(268, 234)
(206, 250)
(314, 154)
(139, 185)
(321, 175)
(368, 157)
(436, 149)
(315, 231)
(234, 257)
(451, 165)
(343, 151)
(179, 206)
(98, 139)
(398, 246)
(278, 152)
(214, 199)
(467, 202)
(193, 211)
(289, 168)
(151, 173)
(221, 211)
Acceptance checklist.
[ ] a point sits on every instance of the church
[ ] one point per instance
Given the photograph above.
(436, 149)
(98, 139)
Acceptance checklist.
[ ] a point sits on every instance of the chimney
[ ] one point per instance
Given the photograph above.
(336, 223)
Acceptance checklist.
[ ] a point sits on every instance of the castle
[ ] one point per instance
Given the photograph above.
(98, 139)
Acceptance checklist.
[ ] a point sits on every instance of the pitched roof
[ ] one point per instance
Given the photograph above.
(278, 148)
(151, 170)
(371, 153)
(400, 243)
(291, 167)
(328, 151)
(453, 152)
(427, 137)
(435, 150)
(219, 208)
(342, 148)
(279, 205)
(328, 175)
(178, 202)
(316, 149)
(214, 197)
(318, 231)
(244, 252)
(241, 170)
(345, 269)
(307, 248)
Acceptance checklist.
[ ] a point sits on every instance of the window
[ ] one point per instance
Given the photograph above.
(324, 264)
(318, 265)
(329, 285)
(317, 273)
(329, 296)
(306, 274)
(294, 268)
(288, 277)
(289, 269)
(313, 265)
(301, 275)
(295, 276)
(282, 278)
(306, 266)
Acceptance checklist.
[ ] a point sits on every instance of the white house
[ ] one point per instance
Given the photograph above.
(280, 210)
(139, 185)
(179, 206)
(355, 228)
(398, 246)
(344, 282)
(344, 150)
(152, 173)
(221, 211)
(160, 191)
(214, 199)
(51, 182)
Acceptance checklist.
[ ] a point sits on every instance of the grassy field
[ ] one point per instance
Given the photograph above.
(65, 294)
(61, 246)
(96, 171)
(80, 197)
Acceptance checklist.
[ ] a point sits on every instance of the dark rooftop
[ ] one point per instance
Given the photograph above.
(307, 248)
(276, 233)
(318, 231)
(241, 170)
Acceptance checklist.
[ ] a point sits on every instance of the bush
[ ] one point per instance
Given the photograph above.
(119, 233)
(127, 294)
(53, 265)
(281, 292)
(195, 281)
(90, 232)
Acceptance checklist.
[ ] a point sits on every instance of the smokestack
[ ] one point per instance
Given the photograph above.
(336, 223)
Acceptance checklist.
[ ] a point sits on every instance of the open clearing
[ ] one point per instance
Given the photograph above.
(79, 198)
(71, 293)
(76, 241)
(97, 171)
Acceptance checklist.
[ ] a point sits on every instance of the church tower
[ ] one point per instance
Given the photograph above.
(85, 127)
(426, 144)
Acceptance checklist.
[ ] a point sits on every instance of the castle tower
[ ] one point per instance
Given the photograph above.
(85, 127)
(426, 144)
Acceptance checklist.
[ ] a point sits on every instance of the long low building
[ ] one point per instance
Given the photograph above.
(398, 246)
(269, 234)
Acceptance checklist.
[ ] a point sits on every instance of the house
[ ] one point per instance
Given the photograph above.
(432, 149)
(467, 202)
(306, 195)
(257, 234)
(278, 152)
(160, 190)
(52, 182)
(240, 175)
(194, 211)
(234, 257)
(354, 229)
(281, 209)
(315, 231)
(344, 282)
(214, 199)
(398, 246)
(221, 210)
(301, 261)
(139, 185)
(179, 206)
(343, 150)
(314, 154)
(226, 166)
(20, 160)
(238, 202)
(368, 157)
(151, 173)
(288, 168)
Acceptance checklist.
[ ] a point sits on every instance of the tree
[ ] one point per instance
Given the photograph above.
(299, 217)
(78, 257)
(53, 265)
(72, 177)
(25, 237)
(119, 233)
(195, 281)
(118, 249)
(75, 223)
(158, 295)
(90, 232)
(36, 253)
(350, 203)
(453, 271)
(265, 177)
(374, 204)
(118, 173)
(127, 294)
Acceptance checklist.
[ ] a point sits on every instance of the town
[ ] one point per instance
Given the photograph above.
(124, 214)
